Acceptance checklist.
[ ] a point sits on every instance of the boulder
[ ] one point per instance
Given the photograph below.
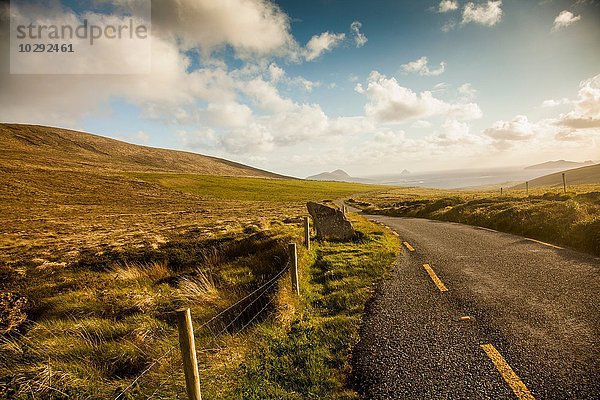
(330, 222)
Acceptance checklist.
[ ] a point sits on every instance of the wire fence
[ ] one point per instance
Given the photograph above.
(258, 293)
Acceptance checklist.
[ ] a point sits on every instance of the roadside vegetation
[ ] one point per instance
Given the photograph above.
(100, 322)
(571, 219)
(308, 356)
(95, 264)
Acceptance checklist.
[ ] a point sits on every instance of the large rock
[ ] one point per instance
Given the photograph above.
(330, 223)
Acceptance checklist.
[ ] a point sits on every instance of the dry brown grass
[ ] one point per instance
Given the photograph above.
(153, 271)
(199, 289)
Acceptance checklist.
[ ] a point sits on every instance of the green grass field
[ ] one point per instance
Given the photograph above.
(255, 189)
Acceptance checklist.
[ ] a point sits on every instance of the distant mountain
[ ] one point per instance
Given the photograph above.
(405, 172)
(338, 175)
(560, 164)
(577, 176)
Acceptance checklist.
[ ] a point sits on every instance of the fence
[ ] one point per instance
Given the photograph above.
(187, 332)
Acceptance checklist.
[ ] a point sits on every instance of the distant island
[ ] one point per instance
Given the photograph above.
(560, 164)
(338, 176)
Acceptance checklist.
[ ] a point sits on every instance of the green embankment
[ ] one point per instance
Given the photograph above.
(571, 219)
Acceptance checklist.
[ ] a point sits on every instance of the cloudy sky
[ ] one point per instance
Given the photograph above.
(299, 87)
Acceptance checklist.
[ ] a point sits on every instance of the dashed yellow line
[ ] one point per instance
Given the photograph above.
(409, 247)
(438, 282)
(544, 243)
(515, 383)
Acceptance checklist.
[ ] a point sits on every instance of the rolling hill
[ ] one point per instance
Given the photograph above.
(56, 148)
(559, 164)
(578, 176)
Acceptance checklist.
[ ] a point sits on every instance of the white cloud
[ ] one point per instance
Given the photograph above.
(276, 72)
(587, 107)
(228, 114)
(387, 101)
(454, 133)
(265, 96)
(488, 14)
(564, 19)
(441, 87)
(421, 66)
(580, 125)
(467, 92)
(319, 44)
(304, 83)
(249, 26)
(276, 75)
(448, 26)
(421, 124)
(555, 103)
(447, 5)
(359, 38)
(517, 129)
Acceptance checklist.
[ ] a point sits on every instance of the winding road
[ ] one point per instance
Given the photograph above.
(471, 313)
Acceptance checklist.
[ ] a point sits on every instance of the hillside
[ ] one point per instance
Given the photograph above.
(62, 190)
(578, 176)
(56, 148)
(337, 176)
(102, 241)
(559, 164)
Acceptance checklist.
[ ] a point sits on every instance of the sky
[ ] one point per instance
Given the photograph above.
(302, 87)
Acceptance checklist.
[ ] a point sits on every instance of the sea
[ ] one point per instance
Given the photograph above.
(462, 179)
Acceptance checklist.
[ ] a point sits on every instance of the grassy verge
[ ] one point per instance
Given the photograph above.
(571, 219)
(308, 357)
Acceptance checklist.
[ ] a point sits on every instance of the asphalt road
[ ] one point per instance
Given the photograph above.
(533, 307)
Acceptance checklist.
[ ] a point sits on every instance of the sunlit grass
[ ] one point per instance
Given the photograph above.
(255, 189)
(309, 356)
(546, 213)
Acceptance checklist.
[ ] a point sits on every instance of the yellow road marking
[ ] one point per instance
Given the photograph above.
(438, 282)
(544, 243)
(409, 247)
(487, 229)
(395, 233)
(507, 373)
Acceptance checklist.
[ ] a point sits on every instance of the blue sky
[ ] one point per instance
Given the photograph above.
(300, 87)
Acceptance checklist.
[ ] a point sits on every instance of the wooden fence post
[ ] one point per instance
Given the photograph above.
(527, 188)
(294, 268)
(564, 183)
(500, 191)
(188, 353)
(307, 232)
